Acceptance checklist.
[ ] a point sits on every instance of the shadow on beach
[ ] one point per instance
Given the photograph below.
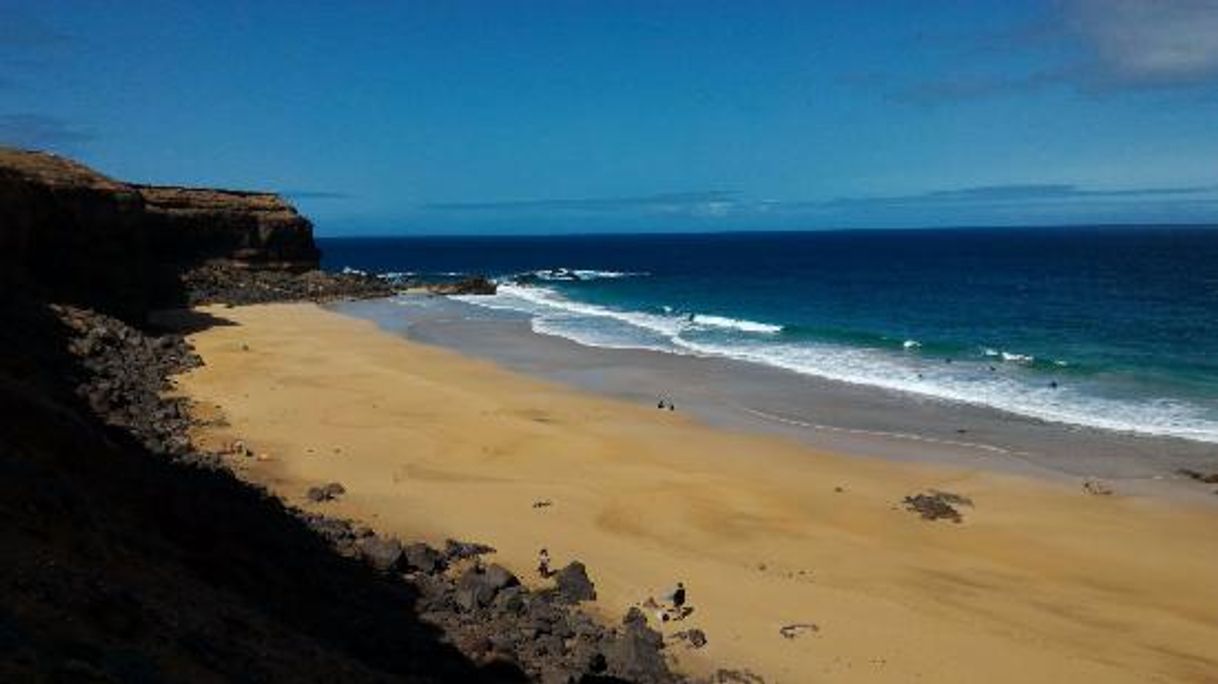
(122, 565)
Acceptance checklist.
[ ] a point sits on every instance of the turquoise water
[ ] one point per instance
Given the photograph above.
(1105, 327)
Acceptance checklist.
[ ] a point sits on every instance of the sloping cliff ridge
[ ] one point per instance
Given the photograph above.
(92, 240)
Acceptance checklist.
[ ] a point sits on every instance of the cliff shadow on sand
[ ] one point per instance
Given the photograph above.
(123, 565)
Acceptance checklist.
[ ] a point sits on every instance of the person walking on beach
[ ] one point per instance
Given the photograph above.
(543, 564)
(678, 597)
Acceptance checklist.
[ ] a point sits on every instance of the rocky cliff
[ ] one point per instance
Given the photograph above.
(86, 238)
(251, 229)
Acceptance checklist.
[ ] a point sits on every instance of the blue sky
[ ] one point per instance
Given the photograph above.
(497, 117)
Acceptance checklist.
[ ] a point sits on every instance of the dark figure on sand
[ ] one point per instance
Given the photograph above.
(543, 564)
(678, 597)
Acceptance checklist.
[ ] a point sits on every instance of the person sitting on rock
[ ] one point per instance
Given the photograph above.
(543, 564)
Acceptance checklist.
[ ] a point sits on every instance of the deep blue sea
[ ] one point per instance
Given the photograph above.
(1105, 327)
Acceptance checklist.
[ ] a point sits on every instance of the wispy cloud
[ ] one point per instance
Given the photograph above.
(39, 131)
(1024, 192)
(1148, 42)
(720, 205)
(708, 201)
(1091, 46)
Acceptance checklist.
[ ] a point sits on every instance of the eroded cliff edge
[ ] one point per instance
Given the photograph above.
(86, 238)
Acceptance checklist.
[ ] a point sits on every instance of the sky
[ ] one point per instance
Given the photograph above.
(576, 116)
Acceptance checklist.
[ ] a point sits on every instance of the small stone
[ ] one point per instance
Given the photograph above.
(797, 629)
(1097, 488)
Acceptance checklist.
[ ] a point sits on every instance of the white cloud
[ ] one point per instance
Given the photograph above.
(1150, 42)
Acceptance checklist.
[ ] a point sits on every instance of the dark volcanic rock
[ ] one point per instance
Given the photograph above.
(1211, 478)
(458, 550)
(250, 229)
(326, 492)
(636, 654)
(126, 371)
(223, 283)
(382, 553)
(696, 638)
(423, 558)
(93, 241)
(475, 285)
(935, 505)
(573, 583)
(477, 587)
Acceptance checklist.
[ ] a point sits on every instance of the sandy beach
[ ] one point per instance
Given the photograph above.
(1040, 582)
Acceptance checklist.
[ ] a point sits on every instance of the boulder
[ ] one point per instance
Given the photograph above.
(573, 583)
(382, 553)
(326, 492)
(477, 587)
(422, 558)
(636, 654)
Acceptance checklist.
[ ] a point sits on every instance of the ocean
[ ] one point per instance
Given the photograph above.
(1106, 327)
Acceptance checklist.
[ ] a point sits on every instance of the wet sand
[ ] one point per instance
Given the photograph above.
(825, 414)
(1040, 582)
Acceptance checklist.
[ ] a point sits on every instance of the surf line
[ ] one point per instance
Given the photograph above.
(883, 433)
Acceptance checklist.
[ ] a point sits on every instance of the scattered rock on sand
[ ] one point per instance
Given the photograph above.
(573, 583)
(542, 503)
(326, 492)
(736, 677)
(1211, 478)
(793, 630)
(695, 638)
(1097, 488)
(458, 550)
(935, 504)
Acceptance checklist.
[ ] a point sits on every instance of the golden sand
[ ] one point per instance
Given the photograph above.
(1041, 582)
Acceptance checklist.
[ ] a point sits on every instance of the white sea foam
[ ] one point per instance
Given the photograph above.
(575, 274)
(742, 325)
(593, 325)
(1010, 357)
(911, 344)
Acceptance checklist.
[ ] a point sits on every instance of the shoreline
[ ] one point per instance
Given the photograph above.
(1040, 579)
(824, 414)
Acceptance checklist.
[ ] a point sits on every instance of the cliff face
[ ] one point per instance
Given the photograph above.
(89, 239)
(252, 229)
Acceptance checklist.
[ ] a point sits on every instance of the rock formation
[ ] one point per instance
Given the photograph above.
(87, 239)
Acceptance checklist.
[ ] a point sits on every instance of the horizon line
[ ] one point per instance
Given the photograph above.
(873, 229)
